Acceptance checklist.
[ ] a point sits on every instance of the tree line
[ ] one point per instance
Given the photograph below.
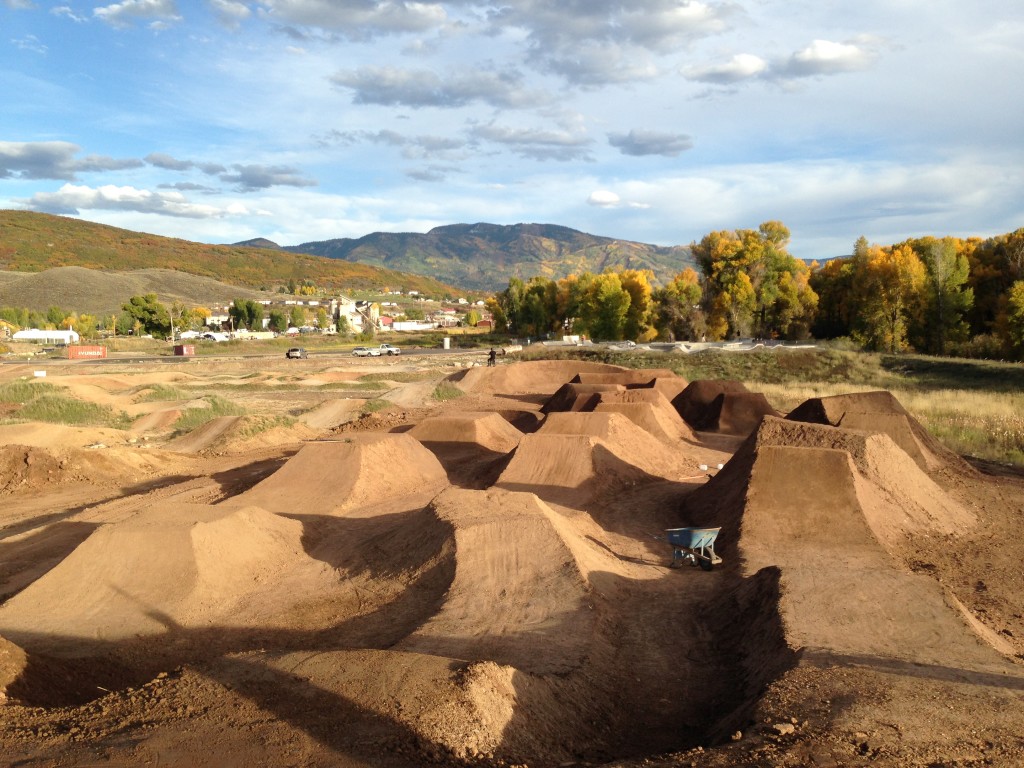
(943, 296)
(748, 284)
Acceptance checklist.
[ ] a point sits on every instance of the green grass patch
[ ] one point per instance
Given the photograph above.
(23, 390)
(446, 391)
(254, 425)
(375, 404)
(58, 409)
(161, 393)
(192, 418)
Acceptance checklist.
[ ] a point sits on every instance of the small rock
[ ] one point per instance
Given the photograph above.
(784, 729)
(737, 736)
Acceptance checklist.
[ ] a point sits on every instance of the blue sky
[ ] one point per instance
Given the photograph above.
(652, 120)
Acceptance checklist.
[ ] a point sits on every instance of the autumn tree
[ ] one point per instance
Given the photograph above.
(606, 307)
(637, 283)
(676, 308)
(889, 285)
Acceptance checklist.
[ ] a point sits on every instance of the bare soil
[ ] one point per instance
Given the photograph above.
(487, 580)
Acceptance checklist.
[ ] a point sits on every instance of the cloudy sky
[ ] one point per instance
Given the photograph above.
(650, 120)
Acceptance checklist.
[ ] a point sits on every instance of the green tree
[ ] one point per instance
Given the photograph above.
(56, 317)
(278, 322)
(246, 313)
(146, 313)
(297, 317)
(322, 320)
(946, 296)
(1014, 322)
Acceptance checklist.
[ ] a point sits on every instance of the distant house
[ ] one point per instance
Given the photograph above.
(46, 337)
(485, 324)
(7, 329)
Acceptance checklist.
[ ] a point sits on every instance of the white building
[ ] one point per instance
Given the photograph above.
(47, 337)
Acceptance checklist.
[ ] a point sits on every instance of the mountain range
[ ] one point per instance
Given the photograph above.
(484, 257)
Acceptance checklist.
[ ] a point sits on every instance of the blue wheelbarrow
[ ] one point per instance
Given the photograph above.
(695, 546)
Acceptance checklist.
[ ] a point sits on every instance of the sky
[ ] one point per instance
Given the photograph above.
(658, 121)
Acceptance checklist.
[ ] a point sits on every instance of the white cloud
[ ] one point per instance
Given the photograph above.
(53, 160)
(424, 88)
(357, 19)
(742, 66)
(68, 12)
(124, 13)
(230, 12)
(604, 198)
(824, 57)
(537, 143)
(70, 199)
(29, 43)
(639, 142)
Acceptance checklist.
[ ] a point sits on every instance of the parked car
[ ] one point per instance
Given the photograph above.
(296, 353)
(366, 352)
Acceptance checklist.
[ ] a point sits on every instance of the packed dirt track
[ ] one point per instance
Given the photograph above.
(486, 579)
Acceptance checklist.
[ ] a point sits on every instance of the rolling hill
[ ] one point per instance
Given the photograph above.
(31, 243)
(484, 256)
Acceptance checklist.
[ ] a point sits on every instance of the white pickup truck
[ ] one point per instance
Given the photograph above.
(390, 349)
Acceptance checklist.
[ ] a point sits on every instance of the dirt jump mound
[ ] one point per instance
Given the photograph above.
(722, 406)
(880, 412)
(516, 580)
(576, 458)
(832, 511)
(175, 565)
(329, 477)
(486, 430)
(528, 377)
(577, 397)
(636, 376)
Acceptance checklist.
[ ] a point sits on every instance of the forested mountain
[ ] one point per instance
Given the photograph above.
(485, 256)
(33, 242)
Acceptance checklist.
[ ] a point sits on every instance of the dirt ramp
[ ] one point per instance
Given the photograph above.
(669, 386)
(741, 413)
(204, 436)
(577, 397)
(842, 593)
(327, 477)
(699, 403)
(517, 587)
(629, 376)
(881, 412)
(174, 565)
(528, 377)
(667, 428)
(833, 510)
(487, 430)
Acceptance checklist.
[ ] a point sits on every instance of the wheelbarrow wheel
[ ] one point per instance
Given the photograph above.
(706, 564)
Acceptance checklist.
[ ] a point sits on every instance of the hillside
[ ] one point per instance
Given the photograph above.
(485, 256)
(34, 242)
(101, 292)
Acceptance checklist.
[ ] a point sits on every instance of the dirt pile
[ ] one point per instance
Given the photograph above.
(488, 431)
(326, 477)
(630, 376)
(722, 406)
(530, 377)
(830, 508)
(880, 412)
(174, 565)
(577, 397)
